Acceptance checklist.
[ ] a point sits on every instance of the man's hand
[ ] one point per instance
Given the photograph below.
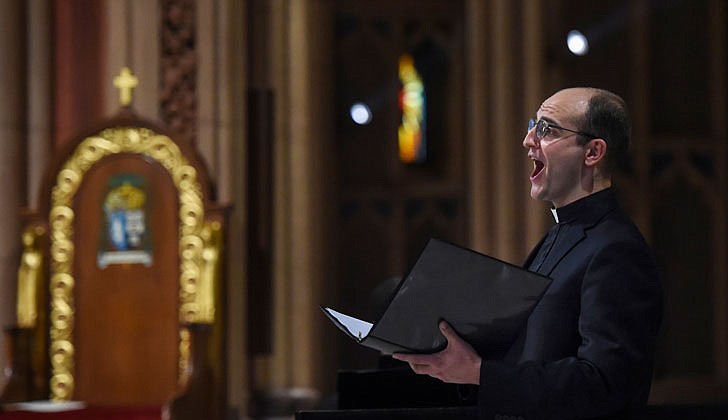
(458, 363)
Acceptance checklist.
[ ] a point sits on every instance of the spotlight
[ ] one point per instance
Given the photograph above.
(360, 113)
(577, 43)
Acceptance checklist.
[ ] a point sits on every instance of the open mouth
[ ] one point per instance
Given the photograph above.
(537, 168)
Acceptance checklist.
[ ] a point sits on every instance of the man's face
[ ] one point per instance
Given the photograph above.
(558, 158)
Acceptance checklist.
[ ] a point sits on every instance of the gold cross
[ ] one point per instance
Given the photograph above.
(125, 82)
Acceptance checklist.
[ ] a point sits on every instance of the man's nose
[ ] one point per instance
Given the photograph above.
(530, 140)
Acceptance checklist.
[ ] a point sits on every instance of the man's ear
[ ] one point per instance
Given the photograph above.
(596, 151)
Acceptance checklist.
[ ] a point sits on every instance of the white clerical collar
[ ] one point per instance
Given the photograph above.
(556, 214)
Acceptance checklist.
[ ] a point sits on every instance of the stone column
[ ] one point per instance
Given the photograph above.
(221, 139)
(12, 135)
(476, 71)
(505, 142)
(39, 98)
(535, 213)
(309, 143)
(505, 221)
(132, 41)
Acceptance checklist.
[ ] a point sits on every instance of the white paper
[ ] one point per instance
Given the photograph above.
(356, 327)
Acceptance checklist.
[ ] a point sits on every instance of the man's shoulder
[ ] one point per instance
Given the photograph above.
(616, 232)
(618, 224)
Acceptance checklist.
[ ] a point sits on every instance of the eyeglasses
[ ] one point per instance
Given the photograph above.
(543, 127)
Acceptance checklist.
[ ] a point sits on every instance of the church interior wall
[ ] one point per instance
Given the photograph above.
(59, 59)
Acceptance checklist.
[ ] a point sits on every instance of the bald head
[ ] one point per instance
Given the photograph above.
(601, 113)
(571, 101)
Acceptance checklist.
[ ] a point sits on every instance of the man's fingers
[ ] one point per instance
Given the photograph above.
(419, 359)
(457, 363)
(403, 357)
(420, 369)
(429, 370)
(420, 363)
(449, 332)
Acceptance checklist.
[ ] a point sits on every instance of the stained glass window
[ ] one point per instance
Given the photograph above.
(412, 133)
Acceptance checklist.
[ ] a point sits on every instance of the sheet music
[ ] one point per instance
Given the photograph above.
(356, 327)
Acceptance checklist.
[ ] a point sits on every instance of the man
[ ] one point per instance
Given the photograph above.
(587, 348)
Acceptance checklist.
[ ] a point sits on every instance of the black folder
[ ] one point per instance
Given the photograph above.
(484, 299)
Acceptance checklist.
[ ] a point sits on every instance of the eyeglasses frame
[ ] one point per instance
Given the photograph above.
(532, 123)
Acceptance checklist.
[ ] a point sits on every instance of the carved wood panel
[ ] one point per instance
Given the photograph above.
(127, 317)
(178, 68)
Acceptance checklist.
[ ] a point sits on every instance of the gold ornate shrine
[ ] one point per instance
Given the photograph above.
(196, 304)
(119, 287)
